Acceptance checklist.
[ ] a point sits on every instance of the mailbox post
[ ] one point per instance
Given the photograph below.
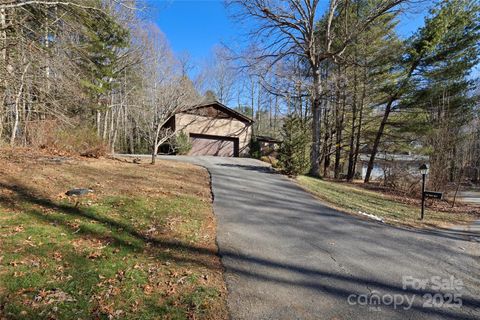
(423, 170)
(427, 194)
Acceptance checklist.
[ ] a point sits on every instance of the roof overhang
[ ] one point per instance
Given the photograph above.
(232, 112)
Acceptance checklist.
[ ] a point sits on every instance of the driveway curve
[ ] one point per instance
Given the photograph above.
(288, 256)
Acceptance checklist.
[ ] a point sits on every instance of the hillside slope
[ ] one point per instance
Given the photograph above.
(140, 246)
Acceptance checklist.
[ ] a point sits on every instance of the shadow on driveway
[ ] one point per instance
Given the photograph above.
(321, 282)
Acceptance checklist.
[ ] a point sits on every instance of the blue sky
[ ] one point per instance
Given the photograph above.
(197, 26)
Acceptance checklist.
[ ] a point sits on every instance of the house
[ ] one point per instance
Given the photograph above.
(268, 145)
(214, 129)
(388, 163)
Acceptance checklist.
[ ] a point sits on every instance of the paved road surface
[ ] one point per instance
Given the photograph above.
(287, 256)
(471, 196)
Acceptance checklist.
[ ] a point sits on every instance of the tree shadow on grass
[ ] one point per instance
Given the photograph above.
(337, 285)
(27, 196)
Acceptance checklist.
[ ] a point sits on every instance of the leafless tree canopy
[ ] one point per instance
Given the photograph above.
(98, 71)
(87, 64)
(298, 29)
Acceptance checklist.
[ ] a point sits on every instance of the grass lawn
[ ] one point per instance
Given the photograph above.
(350, 198)
(142, 246)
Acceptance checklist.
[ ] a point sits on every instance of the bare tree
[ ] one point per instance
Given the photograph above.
(163, 91)
(291, 28)
(220, 75)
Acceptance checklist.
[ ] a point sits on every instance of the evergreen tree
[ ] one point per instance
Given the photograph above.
(451, 31)
(442, 102)
(293, 154)
(102, 41)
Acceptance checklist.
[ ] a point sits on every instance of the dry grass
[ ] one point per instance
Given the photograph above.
(142, 246)
(393, 208)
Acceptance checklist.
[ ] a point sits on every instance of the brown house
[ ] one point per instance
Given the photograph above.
(268, 145)
(214, 129)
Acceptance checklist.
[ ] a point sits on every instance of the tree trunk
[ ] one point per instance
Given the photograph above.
(26, 119)
(316, 126)
(98, 120)
(259, 114)
(326, 136)
(105, 125)
(131, 138)
(340, 117)
(326, 160)
(359, 128)
(113, 115)
(325, 153)
(275, 114)
(154, 152)
(3, 35)
(3, 56)
(17, 102)
(351, 153)
(388, 109)
(155, 142)
(115, 130)
(378, 137)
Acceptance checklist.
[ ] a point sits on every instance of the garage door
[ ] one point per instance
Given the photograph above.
(208, 145)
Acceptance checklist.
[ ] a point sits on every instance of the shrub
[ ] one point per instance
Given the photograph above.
(42, 134)
(271, 160)
(66, 139)
(80, 140)
(255, 150)
(182, 144)
(293, 154)
(397, 177)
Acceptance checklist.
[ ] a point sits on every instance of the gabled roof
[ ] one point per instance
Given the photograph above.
(224, 108)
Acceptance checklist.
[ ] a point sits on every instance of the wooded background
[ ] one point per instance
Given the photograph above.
(82, 75)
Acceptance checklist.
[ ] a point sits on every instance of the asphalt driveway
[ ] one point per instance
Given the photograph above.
(288, 256)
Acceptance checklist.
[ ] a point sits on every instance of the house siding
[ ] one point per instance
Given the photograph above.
(227, 127)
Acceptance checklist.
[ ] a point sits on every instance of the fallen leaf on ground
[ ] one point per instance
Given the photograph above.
(18, 229)
(147, 289)
(57, 256)
(94, 255)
